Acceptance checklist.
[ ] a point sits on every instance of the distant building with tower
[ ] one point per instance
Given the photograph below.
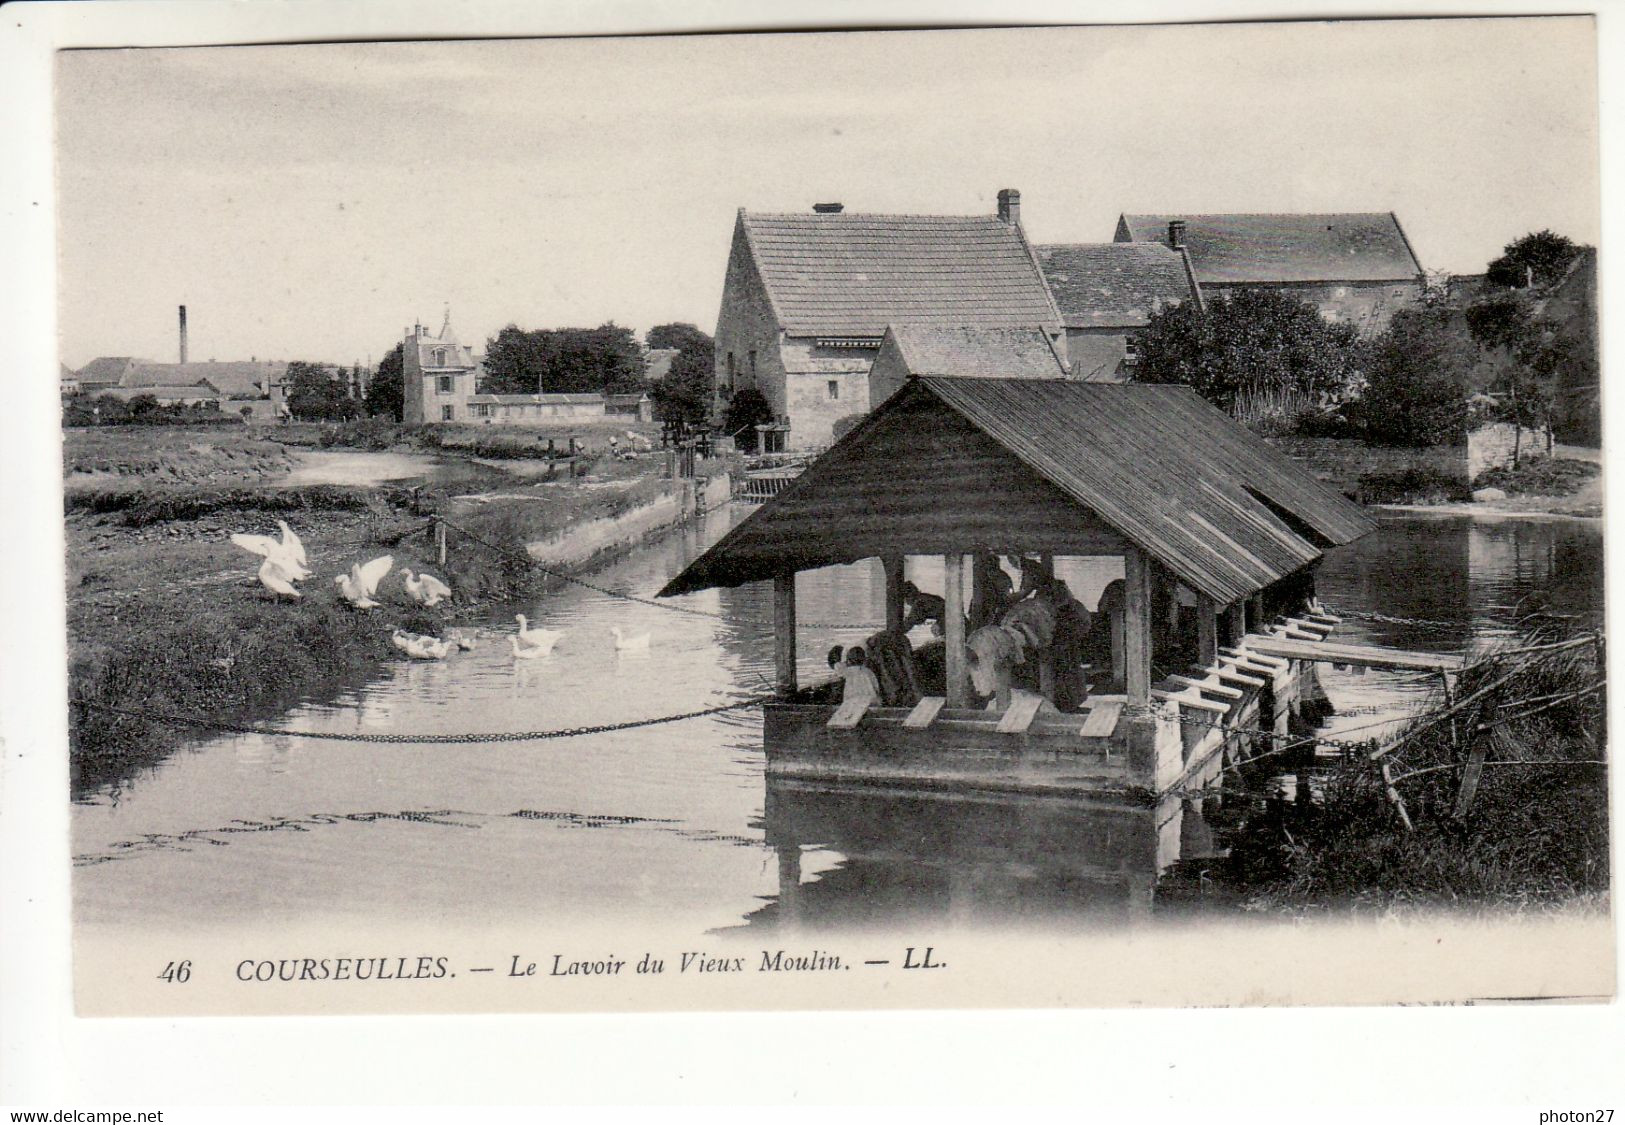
(439, 375)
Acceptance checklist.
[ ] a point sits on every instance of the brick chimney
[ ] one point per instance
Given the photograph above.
(183, 333)
(828, 208)
(1010, 206)
(1176, 234)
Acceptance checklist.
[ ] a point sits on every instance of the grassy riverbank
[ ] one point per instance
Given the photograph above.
(1534, 836)
(165, 614)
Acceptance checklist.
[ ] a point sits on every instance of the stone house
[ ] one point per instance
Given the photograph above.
(1107, 292)
(439, 376)
(1356, 268)
(807, 299)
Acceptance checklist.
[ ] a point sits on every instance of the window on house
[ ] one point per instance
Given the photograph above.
(445, 384)
(1131, 350)
(753, 364)
(482, 410)
(834, 388)
(732, 371)
(446, 413)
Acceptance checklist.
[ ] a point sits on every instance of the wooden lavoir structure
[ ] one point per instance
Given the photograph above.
(1218, 537)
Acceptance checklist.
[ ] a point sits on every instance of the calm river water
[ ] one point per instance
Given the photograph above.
(675, 821)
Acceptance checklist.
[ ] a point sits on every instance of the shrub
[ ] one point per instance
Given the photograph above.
(1415, 485)
(1540, 476)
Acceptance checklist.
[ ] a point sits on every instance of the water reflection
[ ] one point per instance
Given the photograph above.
(678, 823)
(967, 859)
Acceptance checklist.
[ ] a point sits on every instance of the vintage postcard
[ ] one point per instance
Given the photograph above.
(1001, 518)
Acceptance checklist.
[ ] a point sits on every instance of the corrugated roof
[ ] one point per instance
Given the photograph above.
(1010, 352)
(234, 379)
(1154, 465)
(854, 274)
(1285, 248)
(537, 400)
(1114, 284)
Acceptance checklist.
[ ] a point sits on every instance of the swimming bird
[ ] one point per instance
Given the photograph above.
(522, 651)
(543, 639)
(358, 586)
(429, 648)
(405, 641)
(277, 579)
(464, 641)
(623, 643)
(425, 589)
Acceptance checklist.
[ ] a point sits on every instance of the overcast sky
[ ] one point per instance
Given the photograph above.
(312, 201)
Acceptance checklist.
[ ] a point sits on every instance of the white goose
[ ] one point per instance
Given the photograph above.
(463, 640)
(358, 586)
(425, 589)
(291, 544)
(428, 648)
(623, 643)
(275, 577)
(522, 651)
(405, 641)
(542, 639)
(269, 547)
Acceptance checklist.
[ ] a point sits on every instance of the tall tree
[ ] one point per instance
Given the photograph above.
(314, 395)
(684, 392)
(1251, 342)
(1539, 259)
(601, 360)
(385, 389)
(517, 361)
(1418, 379)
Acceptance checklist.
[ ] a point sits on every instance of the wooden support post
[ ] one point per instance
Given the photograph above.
(1255, 613)
(953, 628)
(1119, 660)
(893, 565)
(1137, 627)
(440, 541)
(789, 885)
(784, 632)
(1207, 631)
(1235, 619)
(1046, 658)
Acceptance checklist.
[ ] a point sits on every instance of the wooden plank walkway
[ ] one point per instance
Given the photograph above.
(1367, 655)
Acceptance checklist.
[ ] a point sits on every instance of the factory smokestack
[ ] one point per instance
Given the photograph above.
(183, 333)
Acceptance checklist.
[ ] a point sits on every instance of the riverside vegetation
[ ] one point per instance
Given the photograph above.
(165, 615)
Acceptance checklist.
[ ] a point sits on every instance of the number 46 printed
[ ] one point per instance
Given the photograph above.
(176, 972)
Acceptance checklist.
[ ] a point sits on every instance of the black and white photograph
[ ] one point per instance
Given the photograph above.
(1031, 517)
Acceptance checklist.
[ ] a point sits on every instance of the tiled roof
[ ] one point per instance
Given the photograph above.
(239, 379)
(1009, 352)
(1155, 465)
(1285, 248)
(1114, 284)
(160, 391)
(852, 275)
(108, 368)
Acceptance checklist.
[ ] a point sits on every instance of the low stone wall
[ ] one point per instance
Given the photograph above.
(1497, 445)
(1340, 462)
(596, 541)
